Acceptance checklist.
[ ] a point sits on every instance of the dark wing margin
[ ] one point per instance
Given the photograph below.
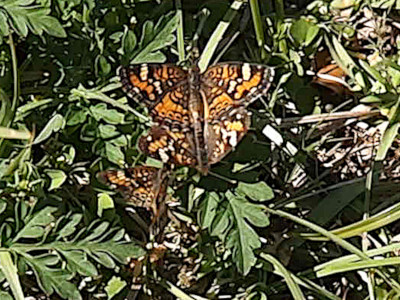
(146, 83)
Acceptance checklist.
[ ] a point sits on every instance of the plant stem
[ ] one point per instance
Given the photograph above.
(217, 35)
(258, 27)
(180, 32)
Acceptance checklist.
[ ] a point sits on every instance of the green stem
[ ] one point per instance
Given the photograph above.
(258, 27)
(217, 35)
(9, 115)
(180, 32)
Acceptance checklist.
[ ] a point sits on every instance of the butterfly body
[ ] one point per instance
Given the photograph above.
(198, 118)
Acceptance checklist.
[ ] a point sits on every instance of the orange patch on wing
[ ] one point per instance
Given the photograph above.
(235, 126)
(167, 107)
(222, 100)
(247, 85)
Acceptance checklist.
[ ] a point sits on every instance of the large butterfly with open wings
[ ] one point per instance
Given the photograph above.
(198, 117)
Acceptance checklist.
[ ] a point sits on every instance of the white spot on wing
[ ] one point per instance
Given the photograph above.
(246, 72)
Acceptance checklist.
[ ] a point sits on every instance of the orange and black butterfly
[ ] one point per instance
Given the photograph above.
(199, 118)
(141, 186)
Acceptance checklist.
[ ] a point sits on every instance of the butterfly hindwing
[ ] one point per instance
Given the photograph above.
(141, 186)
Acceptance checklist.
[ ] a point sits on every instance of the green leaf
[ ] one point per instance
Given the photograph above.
(70, 227)
(114, 286)
(6, 296)
(54, 125)
(104, 201)
(243, 239)
(35, 227)
(112, 116)
(108, 131)
(259, 191)
(304, 31)
(105, 67)
(78, 262)
(76, 117)
(57, 177)
(208, 210)
(114, 154)
(19, 20)
(335, 202)
(155, 38)
(51, 26)
(129, 43)
(4, 28)
(388, 137)
(51, 280)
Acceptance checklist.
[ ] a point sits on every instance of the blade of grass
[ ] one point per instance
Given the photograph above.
(10, 272)
(379, 220)
(8, 133)
(258, 27)
(217, 35)
(391, 261)
(342, 243)
(180, 32)
(282, 271)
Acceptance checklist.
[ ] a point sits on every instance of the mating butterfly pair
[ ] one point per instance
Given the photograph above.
(198, 118)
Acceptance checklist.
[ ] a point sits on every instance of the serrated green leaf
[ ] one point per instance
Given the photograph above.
(114, 286)
(19, 20)
(243, 239)
(98, 231)
(70, 227)
(54, 125)
(259, 191)
(57, 177)
(155, 38)
(57, 280)
(35, 226)
(78, 262)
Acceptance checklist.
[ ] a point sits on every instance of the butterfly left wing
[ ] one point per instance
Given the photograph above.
(142, 186)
